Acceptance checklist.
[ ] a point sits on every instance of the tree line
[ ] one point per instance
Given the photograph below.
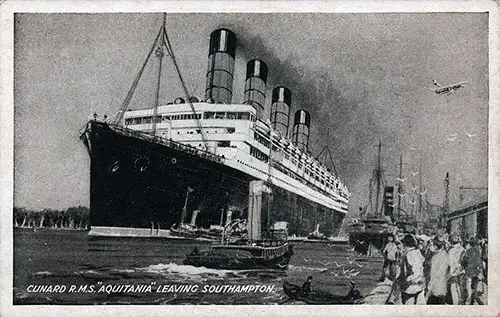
(71, 218)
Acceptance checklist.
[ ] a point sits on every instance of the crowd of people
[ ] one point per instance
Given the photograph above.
(443, 269)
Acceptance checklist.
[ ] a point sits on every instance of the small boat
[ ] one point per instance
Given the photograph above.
(243, 255)
(190, 230)
(321, 297)
(252, 251)
(183, 229)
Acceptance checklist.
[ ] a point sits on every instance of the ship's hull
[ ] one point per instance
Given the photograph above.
(138, 183)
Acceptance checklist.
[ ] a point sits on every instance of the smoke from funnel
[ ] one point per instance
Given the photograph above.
(321, 92)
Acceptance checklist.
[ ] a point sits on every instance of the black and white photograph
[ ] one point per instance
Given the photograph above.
(216, 153)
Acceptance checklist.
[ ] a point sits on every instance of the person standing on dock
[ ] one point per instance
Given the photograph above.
(456, 256)
(411, 277)
(430, 250)
(484, 257)
(438, 275)
(473, 267)
(390, 253)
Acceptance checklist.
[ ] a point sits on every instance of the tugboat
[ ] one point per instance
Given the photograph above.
(187, 230)
(233, 228)
(252, 252)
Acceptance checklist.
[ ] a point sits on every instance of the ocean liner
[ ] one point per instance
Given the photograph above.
(150, 168)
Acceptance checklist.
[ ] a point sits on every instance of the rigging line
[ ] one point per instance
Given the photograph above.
(331, 158)
(333, 163)
(125, 103)
(198, 123)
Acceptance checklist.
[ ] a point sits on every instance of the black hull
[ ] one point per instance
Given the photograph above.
(238, 259)
(138, 182)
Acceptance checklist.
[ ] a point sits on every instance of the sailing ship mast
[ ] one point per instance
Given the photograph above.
(377, 179)
(420, 191)
(400, 187)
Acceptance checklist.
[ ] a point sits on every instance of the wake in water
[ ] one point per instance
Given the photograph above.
(202, 274)
(308, 268)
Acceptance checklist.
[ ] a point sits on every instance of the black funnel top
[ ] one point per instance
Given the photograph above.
(222, 40)
(282, 94)
(257, 68)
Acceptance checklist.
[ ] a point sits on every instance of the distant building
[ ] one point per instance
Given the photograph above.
(470, 219)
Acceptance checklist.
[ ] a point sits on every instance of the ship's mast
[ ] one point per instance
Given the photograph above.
(400, 189)
(161, 42)
(446, 203)
(159, 53)
(378, 177)
(420, 190)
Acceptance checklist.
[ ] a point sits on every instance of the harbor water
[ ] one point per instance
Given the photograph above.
(143, 271)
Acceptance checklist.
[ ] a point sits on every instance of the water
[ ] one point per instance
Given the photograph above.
(67, 257)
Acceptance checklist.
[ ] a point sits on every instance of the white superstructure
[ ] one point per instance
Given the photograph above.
(234, 132)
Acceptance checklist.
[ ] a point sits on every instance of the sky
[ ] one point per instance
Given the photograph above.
(363, 77)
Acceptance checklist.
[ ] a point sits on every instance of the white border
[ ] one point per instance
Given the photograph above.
(7, 8)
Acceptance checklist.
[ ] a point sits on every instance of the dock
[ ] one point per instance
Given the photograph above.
(382, 291)
(379, 295)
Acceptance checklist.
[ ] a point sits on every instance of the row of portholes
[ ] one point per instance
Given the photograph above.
(258, 169)
(141, 164)
(307, 184)
(199, 131)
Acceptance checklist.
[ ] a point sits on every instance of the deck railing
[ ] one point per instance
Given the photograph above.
(165, 142)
